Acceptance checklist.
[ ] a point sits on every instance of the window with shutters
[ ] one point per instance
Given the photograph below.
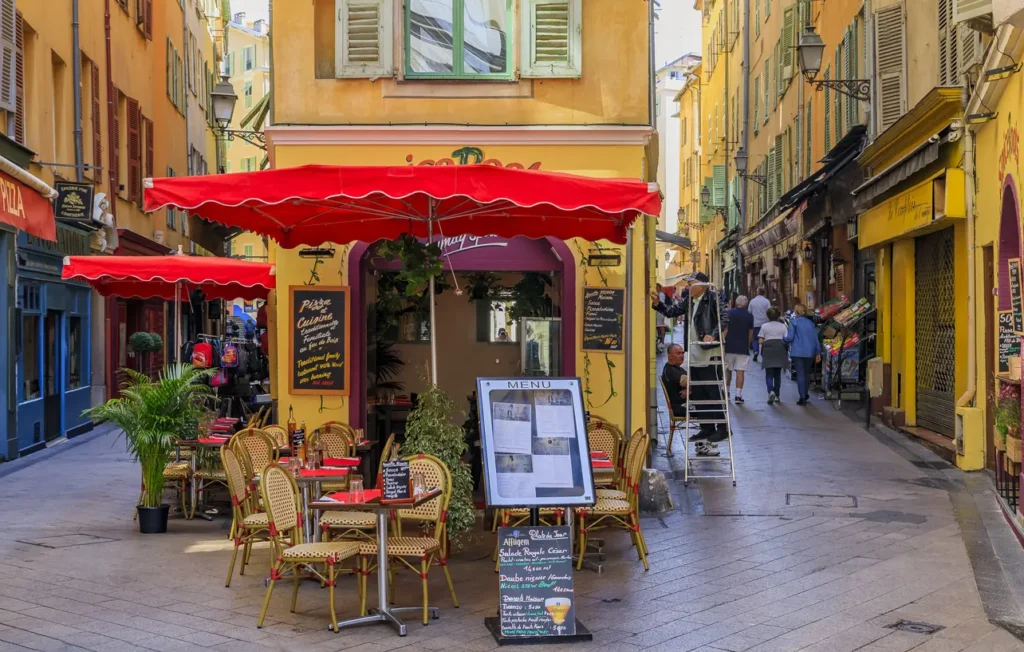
(20, 82)
(552, 38)
(890, 47)
(718, 190)
(770, 199)
(798, 150)
(124, 5)
(788, 43)
(958, 43)
(809, 127)
(363, 43)
(757, 17)
(134, 150)
(757, 104)
(9, 48)
(247, 94)
(249, 58)
(767, 84)
(147, 126)
(97, 125)
(837, 118)
(780, 166)
(120, 154)
(459, 39)
(170, 71)
(767, 9)
(778, 75)
(828, 112)
(852, 70)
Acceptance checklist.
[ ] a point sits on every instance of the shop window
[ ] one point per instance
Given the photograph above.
(495, 319)
(31, 363)
(413, 327)
(75, 352)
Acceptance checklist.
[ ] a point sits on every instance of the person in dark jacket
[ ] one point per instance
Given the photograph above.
(702, 327)
(805, 349)
(771, 336)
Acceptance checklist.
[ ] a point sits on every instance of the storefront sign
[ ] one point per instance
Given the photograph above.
(535, 582)
(903, 213)
(602, 319)
(74, 202)
(471, 156)
(1009, 342)
(782, 229)
(1015, 300)
(459, 244)
(318, 339)
(25, 209)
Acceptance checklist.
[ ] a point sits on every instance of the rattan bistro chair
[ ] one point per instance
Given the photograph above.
(624, 484)
(281, 498)
(248, 526)
(432, 547)
(674, 422)
(614, 513)
(278, 433)
(359, 525)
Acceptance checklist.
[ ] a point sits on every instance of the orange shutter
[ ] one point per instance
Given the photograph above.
(19, 79)
(149, 146)
(148, 29)
(134, 152)
(97, 137)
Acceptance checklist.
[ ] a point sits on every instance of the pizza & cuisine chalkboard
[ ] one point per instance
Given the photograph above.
(317, 325)
(603, 310)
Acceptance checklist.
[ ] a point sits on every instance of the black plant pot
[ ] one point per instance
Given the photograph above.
(153, 520)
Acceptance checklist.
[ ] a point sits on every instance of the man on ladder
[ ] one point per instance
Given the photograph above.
(702, 324)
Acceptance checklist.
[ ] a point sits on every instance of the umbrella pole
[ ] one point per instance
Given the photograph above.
(430, 295)
(177, 322)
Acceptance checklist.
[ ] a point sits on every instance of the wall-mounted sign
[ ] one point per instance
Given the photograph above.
(603, 324)
(1009, 342)
(1015, 297)
(318, 339)
(74, 203)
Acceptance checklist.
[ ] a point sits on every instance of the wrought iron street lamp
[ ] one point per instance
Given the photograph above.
(810, 49)
(741, 168)
(705, 200)
(224, 100)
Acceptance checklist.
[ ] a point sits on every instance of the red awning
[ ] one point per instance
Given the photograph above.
(148, 277)
(24, 208)
(314, 204)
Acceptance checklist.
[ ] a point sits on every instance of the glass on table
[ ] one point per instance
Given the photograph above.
(295, 465)
(355, 489)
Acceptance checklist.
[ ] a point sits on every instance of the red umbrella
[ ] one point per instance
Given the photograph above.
(167, 277)
(313, 204)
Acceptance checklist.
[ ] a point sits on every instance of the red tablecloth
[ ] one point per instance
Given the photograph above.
(346, 496)
(324, 473)
(341, 461)
(602, 464)
(598, 455)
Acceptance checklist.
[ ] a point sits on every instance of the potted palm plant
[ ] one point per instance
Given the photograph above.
(153, 415)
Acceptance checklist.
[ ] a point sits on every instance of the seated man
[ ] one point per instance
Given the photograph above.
(677, 383)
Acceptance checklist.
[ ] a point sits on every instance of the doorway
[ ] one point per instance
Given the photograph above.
(989, 276)
(54, 353)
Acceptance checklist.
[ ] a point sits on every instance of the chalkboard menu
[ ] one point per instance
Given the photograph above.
(318, 335)
(395, 481)
(1015, 298)
(535, 590)
(1009, 341)
(603, 310)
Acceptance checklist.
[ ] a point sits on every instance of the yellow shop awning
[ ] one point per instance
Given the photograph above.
(938, 199)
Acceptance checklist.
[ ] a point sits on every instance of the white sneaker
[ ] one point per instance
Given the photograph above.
(772, 398)
(705, 449)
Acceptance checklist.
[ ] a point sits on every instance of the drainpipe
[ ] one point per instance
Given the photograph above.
(111, 109)
(76, 68)
(745, 137)
(649, 396)
(869, 53)
(972, 362)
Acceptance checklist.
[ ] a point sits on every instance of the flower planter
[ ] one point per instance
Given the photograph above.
(998, 440)
(153, 520)
(1013, 449)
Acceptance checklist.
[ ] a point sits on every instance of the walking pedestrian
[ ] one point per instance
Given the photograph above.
(804, 348)
(701, 319)
(772, 335)
(759, 306)
(738, 335)
(661, 324)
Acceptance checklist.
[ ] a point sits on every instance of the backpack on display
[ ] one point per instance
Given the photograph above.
(229, 356)
(202, 355)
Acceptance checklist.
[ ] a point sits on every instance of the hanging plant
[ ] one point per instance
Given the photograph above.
(531, 297)
(1008, 411)
(482, 285)
(420, 261)
(432, 429)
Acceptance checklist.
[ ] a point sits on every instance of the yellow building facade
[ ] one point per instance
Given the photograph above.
(584, 108)
(690, 177)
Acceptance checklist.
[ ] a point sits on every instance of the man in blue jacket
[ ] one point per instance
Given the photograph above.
(804, 349)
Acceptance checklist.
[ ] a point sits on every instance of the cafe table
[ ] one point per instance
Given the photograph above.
(309, 481)
(384, 613)
(214, 442)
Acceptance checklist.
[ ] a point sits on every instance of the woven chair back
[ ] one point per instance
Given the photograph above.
(235, 474)
(261, 450)
(635, 464)
(341, 428)
(334, 442)
(280, 499)
(437, 475)
(605, 438)
(668, 402)
(278, 433)
(388, 454)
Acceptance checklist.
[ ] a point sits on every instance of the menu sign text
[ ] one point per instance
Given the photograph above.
(1009, 341)
(535, 584)
(603, 310)
(318, 331)
(1015, 297)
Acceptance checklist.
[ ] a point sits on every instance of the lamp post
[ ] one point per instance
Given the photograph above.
(705, 200)
(810, 50)
(224, 100)
(741, 160)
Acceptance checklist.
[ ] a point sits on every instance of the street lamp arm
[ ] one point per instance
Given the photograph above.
(858, 89)
(256, 138)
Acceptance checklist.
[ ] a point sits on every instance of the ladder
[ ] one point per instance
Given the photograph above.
(707, 467)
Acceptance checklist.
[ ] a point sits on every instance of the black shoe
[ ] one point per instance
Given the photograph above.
(802, 402)
(719, 435)
(704, 434)
(739, 399)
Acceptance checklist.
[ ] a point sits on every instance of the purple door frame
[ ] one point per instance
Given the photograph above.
(479, 255)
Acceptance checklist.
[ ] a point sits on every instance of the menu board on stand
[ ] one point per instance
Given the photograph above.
(535, 454)
(1009, 341)
(318, 339)
(1015, 295)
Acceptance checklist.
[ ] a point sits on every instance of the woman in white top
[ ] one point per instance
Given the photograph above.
(773, 353)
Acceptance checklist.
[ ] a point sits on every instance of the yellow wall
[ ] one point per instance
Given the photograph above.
(595, 161)
(614, 42)
(690, 171)
(239, 38)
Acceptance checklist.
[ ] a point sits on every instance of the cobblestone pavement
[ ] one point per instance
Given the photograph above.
(829, 539)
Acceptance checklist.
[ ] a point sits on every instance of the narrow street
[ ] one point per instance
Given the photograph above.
(831, 537)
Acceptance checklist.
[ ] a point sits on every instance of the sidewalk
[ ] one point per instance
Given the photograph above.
(831, 537)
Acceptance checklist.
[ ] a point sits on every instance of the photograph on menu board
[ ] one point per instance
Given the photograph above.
(534, 442)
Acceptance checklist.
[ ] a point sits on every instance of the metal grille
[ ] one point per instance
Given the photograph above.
(935, 350)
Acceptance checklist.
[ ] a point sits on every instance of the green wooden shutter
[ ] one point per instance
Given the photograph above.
(780, 156)
(809, 159)
(707, 214)
(718, 190)
(890, 46)
(852, 72)
(770, 173)
(798, 151)
(837, 118)
(767, 85)
(788, 31)
(757, 18)
(828, 112)
(757, 104)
